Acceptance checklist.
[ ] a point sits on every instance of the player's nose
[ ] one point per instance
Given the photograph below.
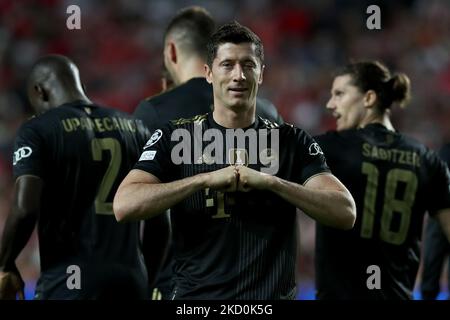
(238, 72)
(331, 105)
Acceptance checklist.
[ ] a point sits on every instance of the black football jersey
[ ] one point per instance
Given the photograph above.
(394, 181)
(436, 249)
(232, 245)
(82, 152)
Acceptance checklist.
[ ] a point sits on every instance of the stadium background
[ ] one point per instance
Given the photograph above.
(118, 50)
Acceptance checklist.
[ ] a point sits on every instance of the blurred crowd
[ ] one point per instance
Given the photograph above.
(119, 45)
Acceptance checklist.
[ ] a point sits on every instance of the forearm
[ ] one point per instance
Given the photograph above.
(334, 208)
(16, 233)
(21, 220)
(137, 201)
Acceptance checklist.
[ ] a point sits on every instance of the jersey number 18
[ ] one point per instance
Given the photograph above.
(390, 204)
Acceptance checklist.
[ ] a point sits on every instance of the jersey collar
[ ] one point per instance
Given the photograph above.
(213, 124)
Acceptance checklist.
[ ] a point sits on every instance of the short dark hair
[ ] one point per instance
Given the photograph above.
(373, 75)
(192, 27)
(233, 33)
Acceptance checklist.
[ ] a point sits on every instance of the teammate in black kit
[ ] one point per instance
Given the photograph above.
(436, 252)
(68, 162)
(233, 222)
(184, 56)
(393, 179)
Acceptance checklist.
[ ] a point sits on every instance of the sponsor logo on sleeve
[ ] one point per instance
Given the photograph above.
(314, 149)
(21, 153)
(148, 155)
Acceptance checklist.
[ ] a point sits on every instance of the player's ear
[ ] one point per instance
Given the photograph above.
(208, 73)
(370, 99)
(41, 92)
(172, 52)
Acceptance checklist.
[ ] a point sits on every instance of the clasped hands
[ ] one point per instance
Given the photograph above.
(237, 178)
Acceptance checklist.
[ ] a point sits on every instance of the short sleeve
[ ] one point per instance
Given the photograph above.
(143, 133)
(309, 156)
(146, 112)
(156, 155)
(29, 155)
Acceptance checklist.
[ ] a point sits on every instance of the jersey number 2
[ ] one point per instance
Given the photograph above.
(390, 204)
(113, 146)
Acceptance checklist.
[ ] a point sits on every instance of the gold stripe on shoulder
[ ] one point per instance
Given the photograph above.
(200, 118)
(269, 124)
(196, 119)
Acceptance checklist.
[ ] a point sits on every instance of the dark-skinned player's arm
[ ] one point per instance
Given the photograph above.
(18, 228)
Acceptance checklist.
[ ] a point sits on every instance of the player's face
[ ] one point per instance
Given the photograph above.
(235, 75)
(347, 103)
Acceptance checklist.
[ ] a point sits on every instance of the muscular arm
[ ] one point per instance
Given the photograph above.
(141, 195)
(323, 197)
(17, 231)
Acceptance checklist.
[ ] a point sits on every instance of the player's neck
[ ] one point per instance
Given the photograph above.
(72, 97)
(192, 68)
(383, 119)
(386, 121)
(233, 119)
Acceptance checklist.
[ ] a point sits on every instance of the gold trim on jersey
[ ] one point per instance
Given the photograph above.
(269, 124)
(197, 119)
